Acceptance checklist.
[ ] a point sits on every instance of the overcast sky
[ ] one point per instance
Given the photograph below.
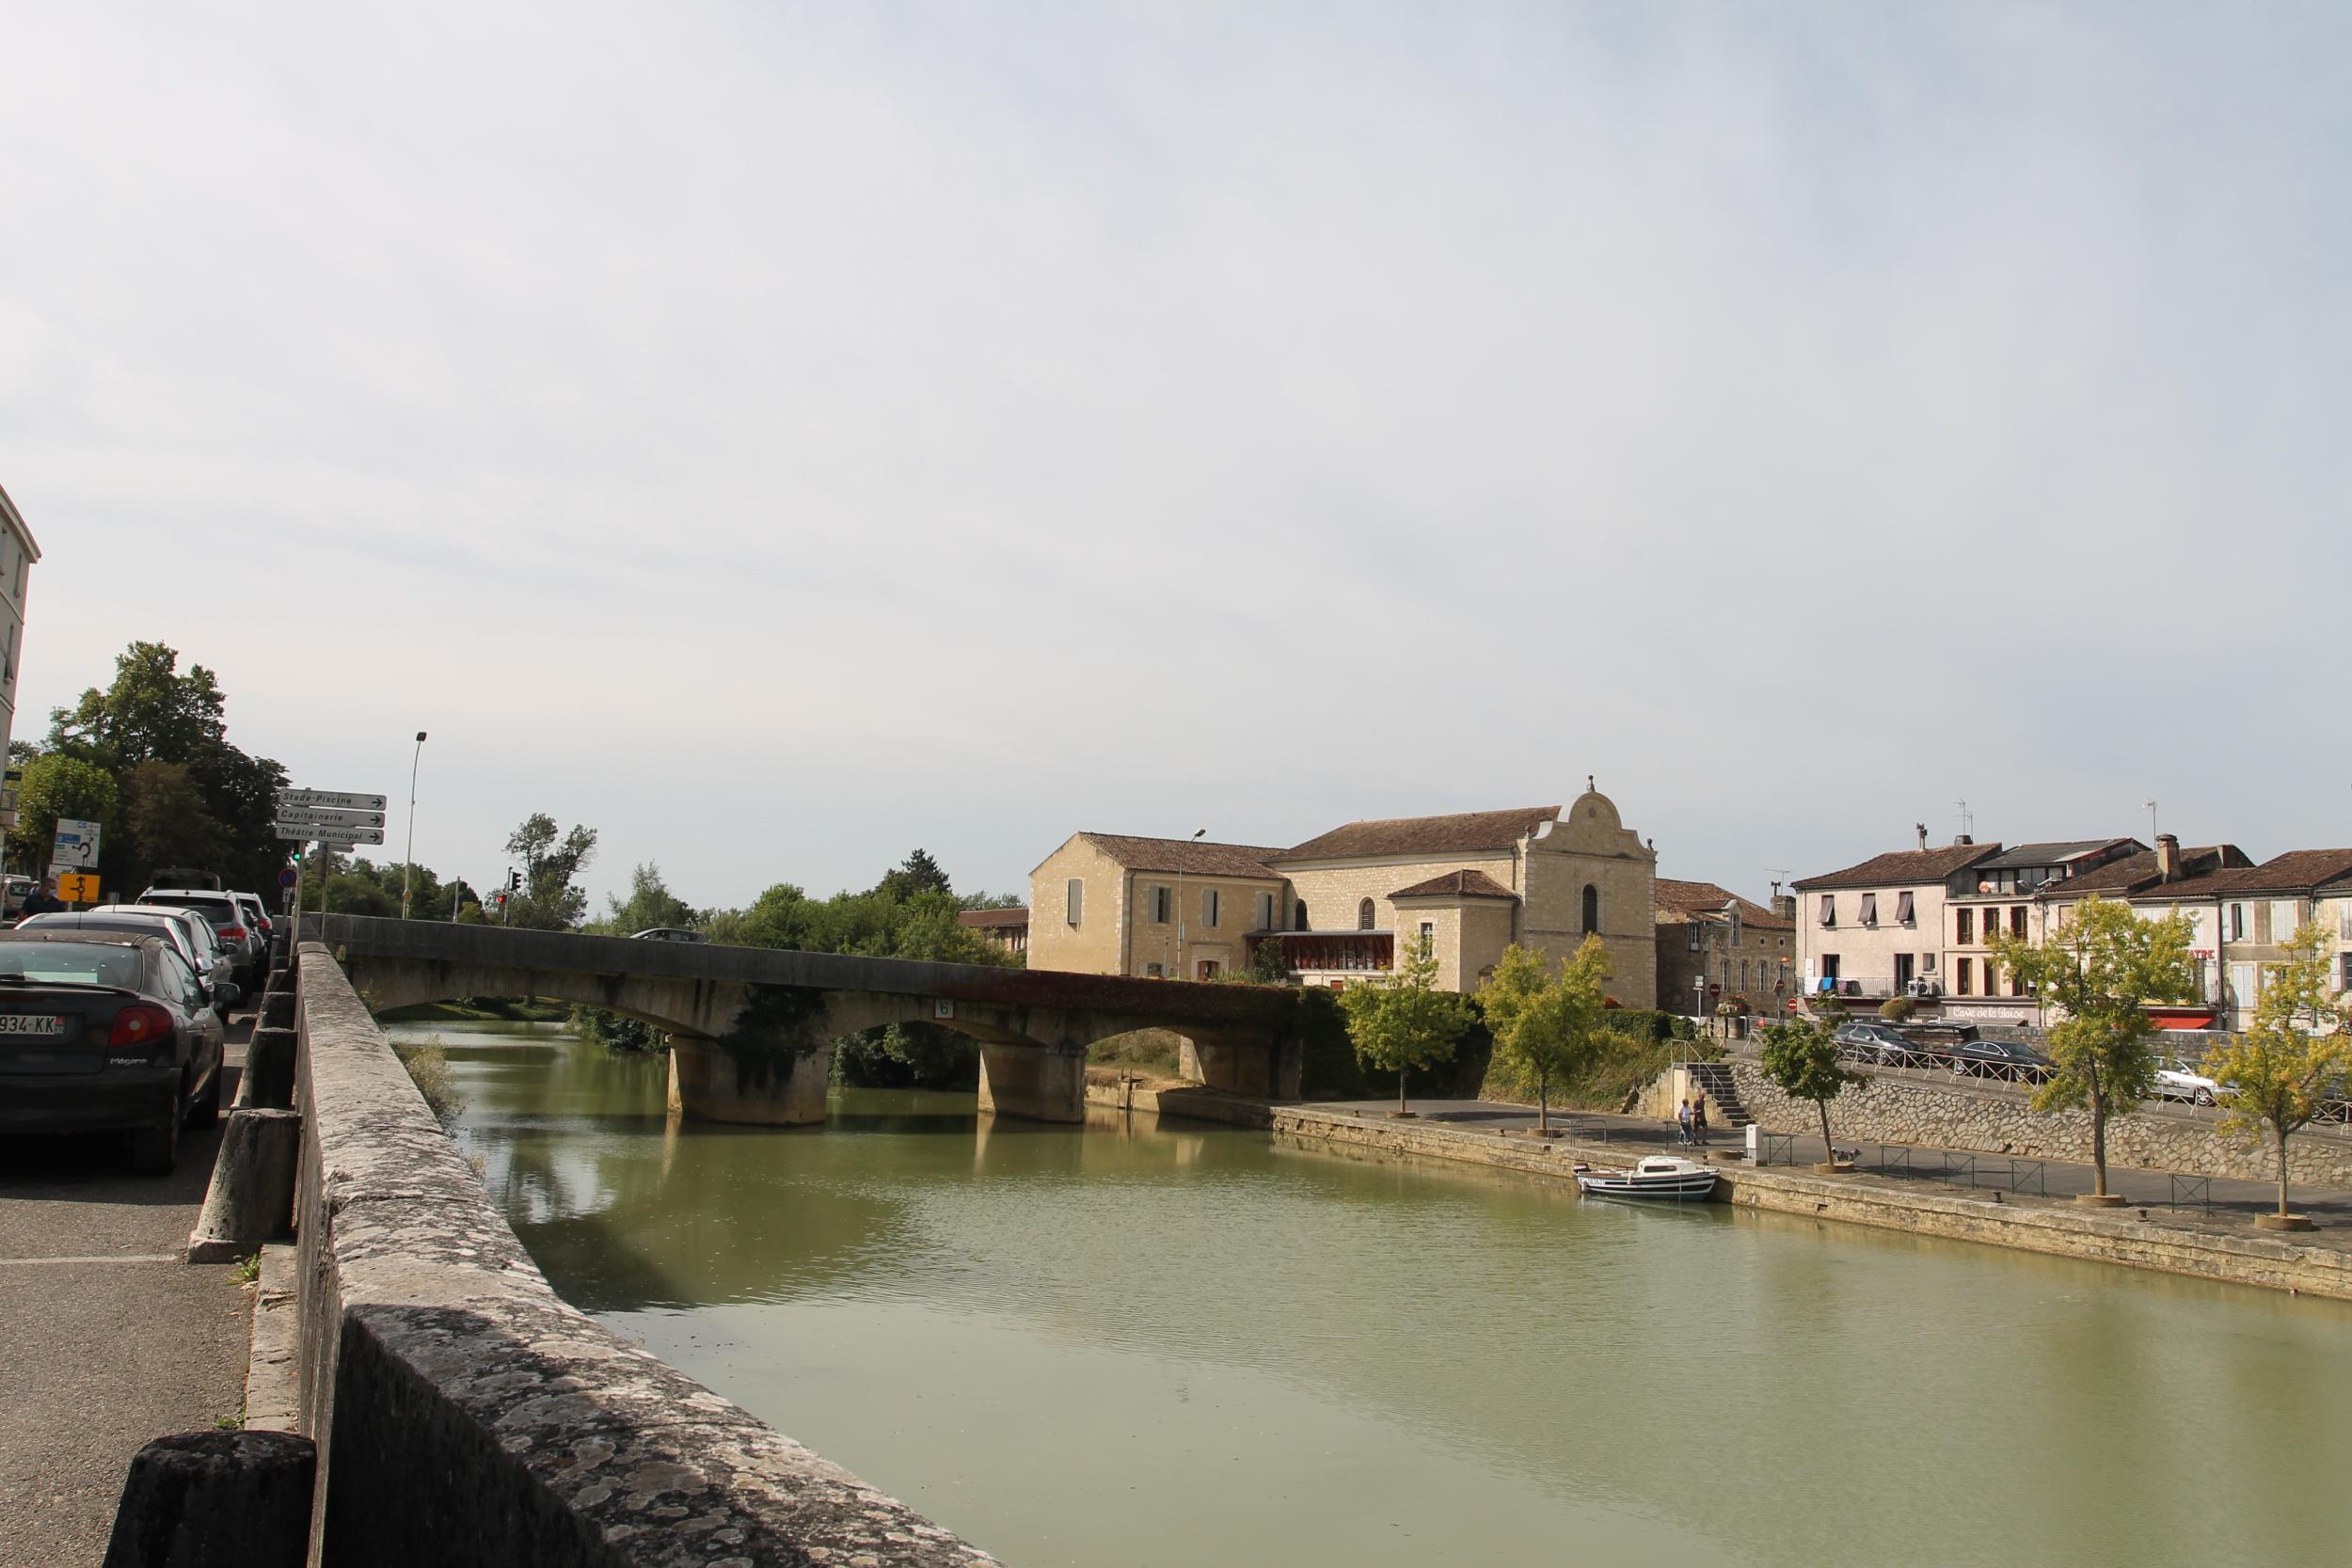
(781, 436)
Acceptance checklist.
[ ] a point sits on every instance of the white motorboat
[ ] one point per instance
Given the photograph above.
(1667, 1176)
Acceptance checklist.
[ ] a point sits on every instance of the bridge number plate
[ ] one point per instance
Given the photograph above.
(943, 1009)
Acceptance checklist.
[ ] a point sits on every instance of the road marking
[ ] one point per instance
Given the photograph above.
(110, 1258)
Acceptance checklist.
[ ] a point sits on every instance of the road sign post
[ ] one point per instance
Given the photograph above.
(76, 845)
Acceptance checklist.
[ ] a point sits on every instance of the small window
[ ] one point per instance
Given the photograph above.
(1734, 925)
(1364, 916)
(1210, 905)
(1695, 930)
(1869, 908)
(1161, 902)
(1298, 917)
(2237, 923)
(1962, 970)
(1592, 909)
(1153, 971)
(1904, 914)
(1428, 937)
(1926, 963)
(1075, 895)
(1829, 910)
(1964, 927)
(2343, 971)
(2017, 921)
(1266, 912)
(1208, 969)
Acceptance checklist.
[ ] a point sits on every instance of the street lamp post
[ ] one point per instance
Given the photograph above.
(1180, 909)
(408, 855)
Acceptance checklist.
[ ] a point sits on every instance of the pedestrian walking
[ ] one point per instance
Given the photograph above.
(43, 899)
(1682, 1122)
(1698, 1122)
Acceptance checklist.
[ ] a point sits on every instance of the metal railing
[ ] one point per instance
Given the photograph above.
(2016, 1176)
(1950, 1059)
(2190, 1191)
(1775, 1148)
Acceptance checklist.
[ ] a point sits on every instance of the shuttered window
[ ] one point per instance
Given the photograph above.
(1869, 908)
(1904, 914)
(1208, 907)
(1076, 895)
(1160, 903)
(1829, 909)
(1266, 912)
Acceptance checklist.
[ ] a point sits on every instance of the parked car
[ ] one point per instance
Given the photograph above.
(1879, 1044)
(2002, 1059)
(668, 933)
(16, 890)
(257, 920)
(184, 876)
(2179, 1079)
(188, 931)
(245, 951)
(105, 1032)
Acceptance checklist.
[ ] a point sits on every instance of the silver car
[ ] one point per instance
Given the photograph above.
(191, 935)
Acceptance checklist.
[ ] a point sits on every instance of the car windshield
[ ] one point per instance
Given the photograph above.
(87, 963)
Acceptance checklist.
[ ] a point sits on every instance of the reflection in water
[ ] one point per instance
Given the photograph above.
(1123, 1345)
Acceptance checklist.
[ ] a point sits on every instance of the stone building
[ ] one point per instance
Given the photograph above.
(1467, 884)
(17, 554)
(1007, 928)
(1877, 929)
(1735, 946)
(2239, 918)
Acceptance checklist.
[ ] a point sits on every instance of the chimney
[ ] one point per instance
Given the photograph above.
(1784, 906)
(1921, 828)
(1963, 838)
(2168, 857)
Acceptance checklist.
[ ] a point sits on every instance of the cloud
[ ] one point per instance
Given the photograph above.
(779, 439)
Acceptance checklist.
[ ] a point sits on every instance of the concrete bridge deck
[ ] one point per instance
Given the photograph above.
(752, 1028)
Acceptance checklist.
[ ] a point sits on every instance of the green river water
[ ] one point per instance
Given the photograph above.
(1132, 1345)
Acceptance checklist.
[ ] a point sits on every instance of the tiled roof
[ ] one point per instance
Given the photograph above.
(1191, 856)
(1902, 867)
(2134, 873)
(2296, 871)
(1464, 833)
(1457, 884)
(1678, 901)
(1019, 916)
(2049, 854)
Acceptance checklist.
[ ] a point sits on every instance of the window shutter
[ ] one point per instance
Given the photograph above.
(1077, 894)
(1869, 908)
(1903, 912)
(1829, 909)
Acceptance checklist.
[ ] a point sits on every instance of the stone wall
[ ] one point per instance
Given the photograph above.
(1994, 1118)
(466, 1415)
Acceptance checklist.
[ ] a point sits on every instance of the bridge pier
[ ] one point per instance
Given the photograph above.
(1047, 1085)
(784, 1090)
(1266, 1071)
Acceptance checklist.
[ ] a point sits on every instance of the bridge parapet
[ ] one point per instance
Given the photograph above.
(466, 1415)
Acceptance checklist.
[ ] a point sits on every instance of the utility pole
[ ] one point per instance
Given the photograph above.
(408, 856)
(1180, 974)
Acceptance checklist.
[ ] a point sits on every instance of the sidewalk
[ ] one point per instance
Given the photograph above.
(2233, 1202)
(108, 1341)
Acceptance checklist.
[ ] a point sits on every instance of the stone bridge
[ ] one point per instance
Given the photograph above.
(752, 1028)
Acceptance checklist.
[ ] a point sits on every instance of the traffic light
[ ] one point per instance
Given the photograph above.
(514, 881)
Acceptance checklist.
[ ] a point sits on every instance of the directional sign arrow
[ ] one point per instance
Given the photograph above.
(332, 800)
(321, 816)
(339, 837)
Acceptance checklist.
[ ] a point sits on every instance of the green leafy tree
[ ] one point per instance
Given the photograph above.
(164, 822)
(2102, 968)
(650, 903)
(918, 873)
(1268, 966)
(549, 860)
(1547, 1024)
(55, 784)
(2296, 1057)
(1800, 1056)
(150, 711)
(1401, 1020)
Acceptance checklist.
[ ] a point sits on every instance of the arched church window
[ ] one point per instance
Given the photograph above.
(1302, 916)
(1592, 909)
(1364, 916)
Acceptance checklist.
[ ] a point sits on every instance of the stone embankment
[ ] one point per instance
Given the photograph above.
(2056, 1227)
(466, 1415)
(1941, 1111)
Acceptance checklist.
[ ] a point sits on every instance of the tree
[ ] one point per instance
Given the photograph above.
(548, 901)
(1800, 1058)
(2280, 1072)
(2102, 966)
(918, 873)
(57, 784)
(1547, 1024)
(1402, 1021)
(150, 711)
(650, 903)
(164, 822)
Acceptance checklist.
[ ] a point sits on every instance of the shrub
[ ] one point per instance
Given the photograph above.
(429, 1069)
(1896, 1009)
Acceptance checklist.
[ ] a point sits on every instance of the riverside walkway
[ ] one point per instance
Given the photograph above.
(2219, 1205)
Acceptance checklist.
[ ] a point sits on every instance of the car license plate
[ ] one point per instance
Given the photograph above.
(39, 1026)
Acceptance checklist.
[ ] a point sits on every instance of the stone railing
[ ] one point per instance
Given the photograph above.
(1899, 1108)
(465, 1415)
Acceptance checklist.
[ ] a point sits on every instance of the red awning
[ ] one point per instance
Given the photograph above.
(2182, 1020)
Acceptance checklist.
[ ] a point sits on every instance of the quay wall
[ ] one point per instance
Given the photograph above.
(466, 1415)
(1943, 1112)
(2056, 1227)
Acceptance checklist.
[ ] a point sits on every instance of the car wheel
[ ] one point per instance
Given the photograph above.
(2204, 1097)
(156, 1150)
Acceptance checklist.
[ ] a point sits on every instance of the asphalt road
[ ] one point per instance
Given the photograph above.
(106, 1339)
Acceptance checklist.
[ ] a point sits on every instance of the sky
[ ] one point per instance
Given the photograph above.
(780, 435)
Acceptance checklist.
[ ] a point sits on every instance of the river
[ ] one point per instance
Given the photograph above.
(1130, 1345)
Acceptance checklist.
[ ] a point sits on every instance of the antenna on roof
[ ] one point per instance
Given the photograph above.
(1967, 821)
(1779, 874)
(2149, 807)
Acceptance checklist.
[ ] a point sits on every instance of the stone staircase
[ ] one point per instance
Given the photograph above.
(1721, 1093)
